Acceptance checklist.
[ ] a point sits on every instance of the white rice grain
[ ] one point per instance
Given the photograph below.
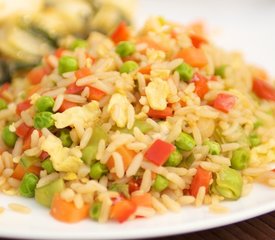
(135, 165)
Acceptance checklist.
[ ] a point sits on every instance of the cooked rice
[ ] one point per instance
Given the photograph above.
(19, 208)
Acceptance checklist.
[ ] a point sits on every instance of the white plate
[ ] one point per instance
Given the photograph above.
(244, 25)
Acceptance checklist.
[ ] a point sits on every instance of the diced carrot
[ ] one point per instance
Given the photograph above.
(66, 211)
(126, 154)
(201, 85)
(259, 73)
(201, 179)
(263, 89)
(153, 44)
(83, 72)
(197, 40)
(144, 200)
(197, 27)
(22, 106)
(193, 56)
(145, 70)
(66, 105)
(20, 171)
(182, 103)
(121, 33)
(160, 114)
(58, 52)
(4, 88)
(74, 89)
(22, 130)
(33, 89)
(95, 94)
(27, 140)
(36, 74)
(225, 102)
(122, 210)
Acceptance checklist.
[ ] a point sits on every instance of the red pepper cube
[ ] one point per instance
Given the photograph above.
(22, 130)
(224, 102)
(159, 152)
(22, 106)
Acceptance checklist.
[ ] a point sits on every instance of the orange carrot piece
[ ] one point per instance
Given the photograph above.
(20, 171)
(193, 56)
(201, 179)
(160, 114)
(126, 154)
(145, 70)
(95, 94)
(153, 44)
(66, 105)
(197, 40)
(121, 33)
(144, 200)
(83, 72)
(66, 211)
(122, 210)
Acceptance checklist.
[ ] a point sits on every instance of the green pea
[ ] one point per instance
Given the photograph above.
(95, 209)
(97, 170)
(78, 43)
(220, 71)
(3, 104)
(185, 71)
(122, 188)
(48, 166)
(65, 137)
(28, 185)
(174, 159)
(187, 162)
(240, 158)
(44, 104)
(67, 64)
(254, 140)
(125, 49)
(160, 183)
(28, 161)
(43, 120)
(185, 142)
(214, 147)
(228, 183)
(128, 67)
(9, 137)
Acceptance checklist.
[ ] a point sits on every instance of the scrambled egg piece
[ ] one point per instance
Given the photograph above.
(85, 116)
(157, 92)
(118, 108)
(61, 157)
(34, 98)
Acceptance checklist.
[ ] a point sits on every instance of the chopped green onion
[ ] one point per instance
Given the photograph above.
(160, 183)
(128, 67)
(122, 188)
(44, 104)
(28, 185)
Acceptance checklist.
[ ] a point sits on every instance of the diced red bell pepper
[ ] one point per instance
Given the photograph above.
(122, 210)
(83, 72)
(160, 114)
(23, 106)
(36, 74)
(159, 152)
(4, 88)
(95, 94)
(201, 86)
(66, 105)
(201, 179)
(44, 155)
(121, 33)
(263, 89)
(74, 89)
(197, 40)
(193, 56)
(58, 52)
(224, 102)
(22, 130)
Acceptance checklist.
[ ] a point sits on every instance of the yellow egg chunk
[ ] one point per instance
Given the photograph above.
(118, 108)
(84, 116)
(157, 92)
(61, 157)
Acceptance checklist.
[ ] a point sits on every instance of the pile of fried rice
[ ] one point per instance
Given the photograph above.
(168, 118)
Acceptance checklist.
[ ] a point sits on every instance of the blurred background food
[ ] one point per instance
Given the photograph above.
(30, 29)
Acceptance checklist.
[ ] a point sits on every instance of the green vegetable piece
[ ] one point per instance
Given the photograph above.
(160, 183)
(65, 137)
(122, 188)
(128, 67)
(174, 159)
(125, 49)
(67, 64)
(187, 162)
(228, 183)
(28, 161)
(44, 195)
(220, 71)
(89, 152)
(9, 137)
(185, 142)
(254, 140)
(240, 158)
(95, 209)
(214, 147)
(3, 104)
(44, 104)
(48, 166)
(43, 120)
(142, 125)
(257, 124)
(185, 71)
(28, 185)
(78, 43)
(97, 170)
